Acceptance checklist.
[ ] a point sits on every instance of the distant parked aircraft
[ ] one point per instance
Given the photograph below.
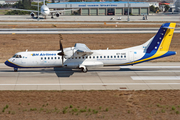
(45, 11)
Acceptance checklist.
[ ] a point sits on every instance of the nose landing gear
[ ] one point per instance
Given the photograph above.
(15, 69)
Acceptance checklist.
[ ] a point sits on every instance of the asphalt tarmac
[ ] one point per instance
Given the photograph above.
(155, 17)
(145, 76)
(81, 30)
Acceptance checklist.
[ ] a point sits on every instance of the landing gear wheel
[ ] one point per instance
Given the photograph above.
(15, 69)
(84, 70)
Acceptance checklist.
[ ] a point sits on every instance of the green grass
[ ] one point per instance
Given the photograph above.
(2, 12)
(177, 112)
(70, 106)
(173, 108)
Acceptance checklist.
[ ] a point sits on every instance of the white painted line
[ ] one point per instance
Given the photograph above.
(155, 77)
(74, 84)
(77, 32)
(149, 67)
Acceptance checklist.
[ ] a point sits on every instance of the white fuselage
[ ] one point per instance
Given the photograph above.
(45, 10)
(98, 58)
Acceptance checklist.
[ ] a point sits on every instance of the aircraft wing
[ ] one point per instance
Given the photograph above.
(81, 50)
(55, 11)
(25, 10)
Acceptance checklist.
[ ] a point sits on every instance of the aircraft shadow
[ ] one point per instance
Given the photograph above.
(63, 72)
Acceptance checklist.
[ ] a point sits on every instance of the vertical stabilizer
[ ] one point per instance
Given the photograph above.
(162, 39)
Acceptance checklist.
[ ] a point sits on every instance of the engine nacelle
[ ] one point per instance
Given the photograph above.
(57, 14)
(69, 52)
(32, 14)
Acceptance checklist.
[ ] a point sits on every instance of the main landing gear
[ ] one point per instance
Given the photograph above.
(84, 69)
(52, 15)
(15, 69)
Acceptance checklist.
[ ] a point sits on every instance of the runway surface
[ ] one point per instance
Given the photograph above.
(145, 76)
(81, 30)
(156, 17)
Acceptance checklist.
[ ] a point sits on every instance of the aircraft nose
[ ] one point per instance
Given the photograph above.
(8, 63)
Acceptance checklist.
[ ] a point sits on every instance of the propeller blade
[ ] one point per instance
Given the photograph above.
(61, 53)
(62, 60)
(61, 47)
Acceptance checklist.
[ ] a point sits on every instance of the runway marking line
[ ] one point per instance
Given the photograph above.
(72, 84)
(155, 77)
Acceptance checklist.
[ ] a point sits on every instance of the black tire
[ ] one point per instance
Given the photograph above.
(15, 69)
(84, 70)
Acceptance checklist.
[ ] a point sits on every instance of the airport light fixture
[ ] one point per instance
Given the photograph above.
(38, 10)
(128, 12)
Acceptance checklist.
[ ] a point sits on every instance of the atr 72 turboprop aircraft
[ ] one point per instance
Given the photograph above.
(81, 57)
(45, 11)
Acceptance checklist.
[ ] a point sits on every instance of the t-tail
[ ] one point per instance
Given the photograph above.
(158, 46)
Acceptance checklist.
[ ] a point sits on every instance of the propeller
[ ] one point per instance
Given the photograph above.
(61, 48)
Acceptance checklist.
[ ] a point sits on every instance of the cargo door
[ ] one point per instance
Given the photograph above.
(131, 56)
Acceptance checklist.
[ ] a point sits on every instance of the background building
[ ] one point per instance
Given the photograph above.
(103, 8)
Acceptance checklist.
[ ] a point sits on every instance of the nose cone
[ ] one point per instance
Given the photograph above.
(7, 63)
(46, 12)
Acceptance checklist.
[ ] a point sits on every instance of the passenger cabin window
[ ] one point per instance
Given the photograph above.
(48, 58)
(104, 56)
(54, 57)
(51, 57)
(114, 56)
(58, 57)
(45, 58)
(111, 56)
(117, 56)
(79, 57)
(93, 56)
(41, 58)
(89, 57)
(100, 56)
(97, 57)
(107, 56)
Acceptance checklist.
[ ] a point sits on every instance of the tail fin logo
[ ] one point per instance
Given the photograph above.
(162, 39)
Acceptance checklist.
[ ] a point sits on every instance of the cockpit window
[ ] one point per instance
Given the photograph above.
(14, 56)
(17, 56)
